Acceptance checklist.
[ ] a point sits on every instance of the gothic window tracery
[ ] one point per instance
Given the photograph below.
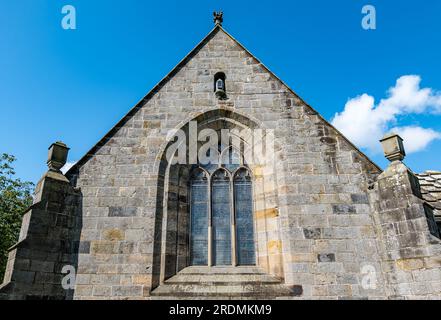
(221, 211)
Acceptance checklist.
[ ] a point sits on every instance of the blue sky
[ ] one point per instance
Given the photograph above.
(74, 85)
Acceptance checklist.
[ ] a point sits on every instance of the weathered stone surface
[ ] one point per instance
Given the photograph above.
(49, 240)
(405, 235)
(344, 209)
(312, 233)
(121, 211)
(326, 257)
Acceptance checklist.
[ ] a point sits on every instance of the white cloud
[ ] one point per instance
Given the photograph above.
(416, 138)
(365, 123)
(67, 166)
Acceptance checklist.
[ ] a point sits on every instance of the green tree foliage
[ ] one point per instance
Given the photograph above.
(15, 198)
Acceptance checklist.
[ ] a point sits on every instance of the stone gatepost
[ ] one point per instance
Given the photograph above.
(47, 248)
(408, 237)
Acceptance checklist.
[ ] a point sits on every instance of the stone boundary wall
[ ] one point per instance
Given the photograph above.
(406, 233)
(49, 241)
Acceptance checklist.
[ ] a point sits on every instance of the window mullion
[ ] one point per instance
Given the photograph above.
(233, 223)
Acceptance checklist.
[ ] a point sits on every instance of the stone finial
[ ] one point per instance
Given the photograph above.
(218, 17)
(57, 156)
(393, 147)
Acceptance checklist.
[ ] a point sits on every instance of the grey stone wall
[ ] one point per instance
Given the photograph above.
(410, 248)
(48, 241)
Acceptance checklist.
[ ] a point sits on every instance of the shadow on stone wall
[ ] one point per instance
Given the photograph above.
(43, 263)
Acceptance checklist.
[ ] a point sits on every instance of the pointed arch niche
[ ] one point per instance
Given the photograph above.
(216, 214)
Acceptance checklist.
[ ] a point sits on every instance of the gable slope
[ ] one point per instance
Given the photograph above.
(174, 71)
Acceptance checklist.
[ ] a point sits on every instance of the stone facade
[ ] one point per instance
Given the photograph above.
(323, 212)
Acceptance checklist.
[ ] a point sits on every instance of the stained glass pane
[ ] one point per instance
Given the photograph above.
(244, 218)
(199, 219)
(221, 218)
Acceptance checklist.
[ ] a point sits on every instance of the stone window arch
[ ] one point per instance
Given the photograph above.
(219, 76)
(220, 86)
(172, 241)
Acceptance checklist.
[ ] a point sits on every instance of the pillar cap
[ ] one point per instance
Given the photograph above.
(57, 156)
(393, 147)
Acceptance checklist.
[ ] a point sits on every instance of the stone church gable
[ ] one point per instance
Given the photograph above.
(262, 82)
(312, 223)
(127, 185)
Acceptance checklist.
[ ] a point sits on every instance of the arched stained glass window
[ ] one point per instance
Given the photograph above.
(199, 218)
(243, 204)
(221, 217)
(222, 210)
